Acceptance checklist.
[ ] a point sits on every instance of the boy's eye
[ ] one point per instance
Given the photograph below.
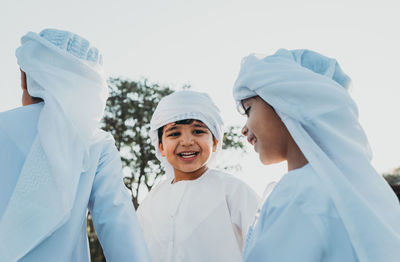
(173, 134)
(247, 111)
(198, 131)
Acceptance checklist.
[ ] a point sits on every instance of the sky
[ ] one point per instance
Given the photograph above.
(201, 43)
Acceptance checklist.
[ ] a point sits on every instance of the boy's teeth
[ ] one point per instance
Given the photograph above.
(187, 155)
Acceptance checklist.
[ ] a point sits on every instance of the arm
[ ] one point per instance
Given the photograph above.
(113, 213)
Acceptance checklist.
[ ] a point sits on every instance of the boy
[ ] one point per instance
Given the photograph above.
(331, 205)
(197, 214)
(55, 162)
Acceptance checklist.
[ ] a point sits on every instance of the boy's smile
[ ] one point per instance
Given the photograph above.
(187, 147)
(188, 155)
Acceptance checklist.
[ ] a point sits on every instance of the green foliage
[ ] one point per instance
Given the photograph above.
(232, 138)
(393, 178)
(127, 117)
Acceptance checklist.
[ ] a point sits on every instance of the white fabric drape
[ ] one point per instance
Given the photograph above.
(309, 93)
(205, 219)
(65, 71)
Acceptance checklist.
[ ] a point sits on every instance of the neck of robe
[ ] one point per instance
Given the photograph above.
(180, 175)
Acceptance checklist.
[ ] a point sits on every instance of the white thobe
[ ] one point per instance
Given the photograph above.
(100, 189)
(198, 220)
(299, 222)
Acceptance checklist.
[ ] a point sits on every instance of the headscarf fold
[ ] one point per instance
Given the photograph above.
(66, 72)
(182, 105)
(309, 93)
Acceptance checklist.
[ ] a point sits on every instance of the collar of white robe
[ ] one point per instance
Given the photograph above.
(309, 92)
(182, 105)
(65, 71)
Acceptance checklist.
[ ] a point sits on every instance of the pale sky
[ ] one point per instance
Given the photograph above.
(201, 43)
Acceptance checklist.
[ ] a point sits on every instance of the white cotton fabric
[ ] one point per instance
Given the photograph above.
(65, 71)
(198, 220)
(309, 93)
(100, 190)
(182, 105)
(299, 222)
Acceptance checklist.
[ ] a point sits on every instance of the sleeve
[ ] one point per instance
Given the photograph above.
(286, 234)
(242, 203)
(113, 213)
(142, 213)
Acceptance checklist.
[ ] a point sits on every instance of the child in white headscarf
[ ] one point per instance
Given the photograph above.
(56, 163)
(332, 205)
(198, 213)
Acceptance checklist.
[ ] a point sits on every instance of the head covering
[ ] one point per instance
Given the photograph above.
(309, 93)
(65, 71)
(182, 105)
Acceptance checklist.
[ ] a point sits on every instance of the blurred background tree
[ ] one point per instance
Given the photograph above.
(393, 178)
(127, 117)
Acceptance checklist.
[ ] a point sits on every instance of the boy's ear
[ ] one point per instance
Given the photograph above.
(215, 144)
(160, 145)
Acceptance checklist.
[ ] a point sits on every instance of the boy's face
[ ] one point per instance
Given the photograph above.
(187, 147)
(265, 131)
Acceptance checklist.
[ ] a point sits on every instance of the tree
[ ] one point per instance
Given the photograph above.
(127, 117)
(393, 178)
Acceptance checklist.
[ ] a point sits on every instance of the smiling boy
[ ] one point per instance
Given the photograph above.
(197, 213)
(331, 205)
(189, 157)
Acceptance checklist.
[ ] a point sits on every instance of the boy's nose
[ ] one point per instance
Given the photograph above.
(187, 139)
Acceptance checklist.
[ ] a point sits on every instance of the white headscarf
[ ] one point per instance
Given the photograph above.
(66, 72)
(186, 105)
(309, 93)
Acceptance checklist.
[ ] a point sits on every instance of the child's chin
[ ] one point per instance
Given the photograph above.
(264, 159)
(190, 170)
